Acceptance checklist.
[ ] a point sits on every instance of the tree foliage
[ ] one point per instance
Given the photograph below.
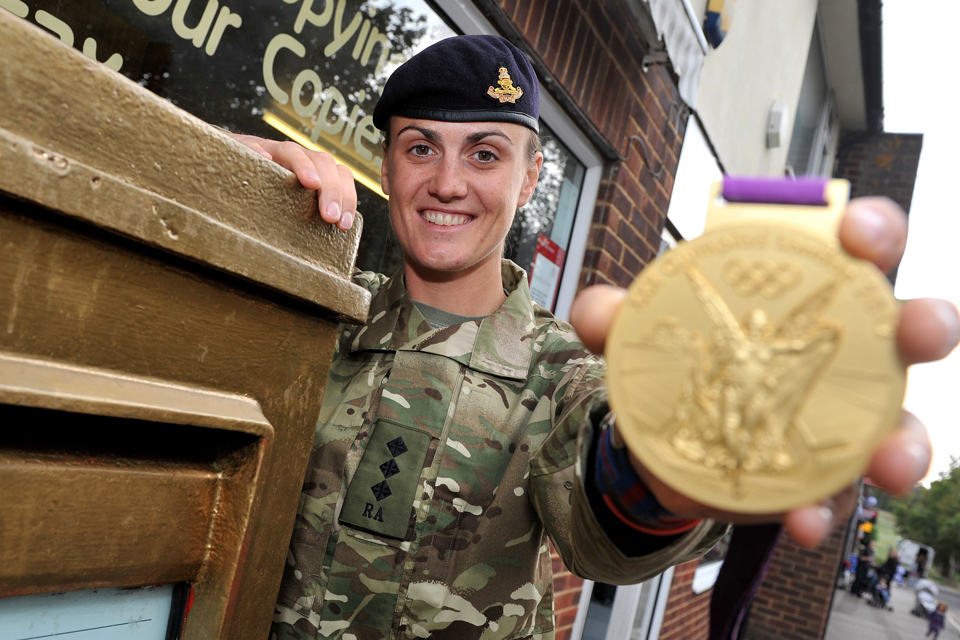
(932, 516)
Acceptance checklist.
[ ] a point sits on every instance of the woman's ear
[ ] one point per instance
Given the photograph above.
(530, 179)
(384, 172)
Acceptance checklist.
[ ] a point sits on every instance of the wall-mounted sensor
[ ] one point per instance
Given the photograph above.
(777, 124)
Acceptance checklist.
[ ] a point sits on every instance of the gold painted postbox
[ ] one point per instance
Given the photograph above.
(168, 311)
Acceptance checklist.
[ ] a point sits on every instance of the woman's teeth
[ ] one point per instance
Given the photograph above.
(445, 219)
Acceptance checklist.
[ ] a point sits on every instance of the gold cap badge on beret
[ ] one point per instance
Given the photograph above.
(506, 92)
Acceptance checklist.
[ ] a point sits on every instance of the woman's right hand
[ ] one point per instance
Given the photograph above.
(336, 190)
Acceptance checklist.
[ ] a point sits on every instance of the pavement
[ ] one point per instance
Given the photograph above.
(851, 618)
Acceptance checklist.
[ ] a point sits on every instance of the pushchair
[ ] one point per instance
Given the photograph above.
(869, 585)
(878, 591)
(927, 592)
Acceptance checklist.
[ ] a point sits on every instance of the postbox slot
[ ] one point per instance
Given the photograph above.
(69, 438)
(132, 502)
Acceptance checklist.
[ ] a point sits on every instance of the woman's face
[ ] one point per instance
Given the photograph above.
(454, 188)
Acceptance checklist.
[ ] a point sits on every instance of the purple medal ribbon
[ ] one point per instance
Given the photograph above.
(752, 546)
(802, 191)
(748, 557)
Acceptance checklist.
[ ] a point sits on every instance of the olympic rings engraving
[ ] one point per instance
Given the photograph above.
(762, 277)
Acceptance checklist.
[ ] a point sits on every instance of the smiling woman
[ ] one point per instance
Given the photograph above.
(454, 189)
(539, 239)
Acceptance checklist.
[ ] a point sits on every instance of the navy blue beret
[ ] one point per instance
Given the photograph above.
(463, 79)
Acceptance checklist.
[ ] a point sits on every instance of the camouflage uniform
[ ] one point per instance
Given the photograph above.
(442, 461)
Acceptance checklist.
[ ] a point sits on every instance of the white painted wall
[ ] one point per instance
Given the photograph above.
(696, 172)
(762, 59)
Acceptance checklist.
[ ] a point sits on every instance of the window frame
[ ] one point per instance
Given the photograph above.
(471, 21)
(628, 602)
(824, 136)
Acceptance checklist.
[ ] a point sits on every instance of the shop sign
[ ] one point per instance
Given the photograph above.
(312, 69)
(545, 271)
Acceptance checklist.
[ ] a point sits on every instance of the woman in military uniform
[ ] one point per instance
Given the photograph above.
(461, 427)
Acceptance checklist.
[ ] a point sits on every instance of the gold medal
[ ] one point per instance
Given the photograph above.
(755, 368)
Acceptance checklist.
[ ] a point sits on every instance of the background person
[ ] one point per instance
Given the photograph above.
(865, 563)
(920, 569)
(889, 568)
(935, 621)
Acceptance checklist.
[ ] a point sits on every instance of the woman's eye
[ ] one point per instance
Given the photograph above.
(486, 156)
(421, 150)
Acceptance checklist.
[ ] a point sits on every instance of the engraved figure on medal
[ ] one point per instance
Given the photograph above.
(747, 384)
(754, 368)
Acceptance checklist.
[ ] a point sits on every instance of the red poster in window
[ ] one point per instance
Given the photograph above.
(545, 271)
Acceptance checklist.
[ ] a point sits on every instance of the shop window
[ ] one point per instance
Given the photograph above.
(312, 72)
(541, 230)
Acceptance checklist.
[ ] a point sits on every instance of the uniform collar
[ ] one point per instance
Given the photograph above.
(501, 344)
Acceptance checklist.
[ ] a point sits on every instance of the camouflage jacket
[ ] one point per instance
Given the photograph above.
(443, 459)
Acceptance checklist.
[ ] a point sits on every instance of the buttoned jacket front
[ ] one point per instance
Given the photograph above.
(443, 461)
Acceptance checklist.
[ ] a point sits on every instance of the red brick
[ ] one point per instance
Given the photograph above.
(635, 163)
(597, 61)
(554, 52)
(538, 11)
(600, 21)
(629, 237)
(639, 222)
(566, 617)
(635, 192)
(579, 79)
(632, 263)
(661, 198)
(621, 201)
(522, 14)
(581, 32)
(617, 19)
(654, 109)
(591, 259)
(566, 599)
(557, 565)
(609, 242)
(550, 11)
(647, 182)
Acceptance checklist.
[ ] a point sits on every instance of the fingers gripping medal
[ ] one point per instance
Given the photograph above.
(755, 368)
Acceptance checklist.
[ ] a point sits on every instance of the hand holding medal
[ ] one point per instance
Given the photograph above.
(759, 370)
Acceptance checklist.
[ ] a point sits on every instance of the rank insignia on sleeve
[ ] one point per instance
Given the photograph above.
(506, 92)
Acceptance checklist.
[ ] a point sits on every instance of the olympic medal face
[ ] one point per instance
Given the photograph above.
(755, 369)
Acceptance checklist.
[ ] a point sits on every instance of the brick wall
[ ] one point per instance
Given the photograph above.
(881, 164)
(687, 616)
(632, 203)
(593, 51)
(566, 596)
(793, 602)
